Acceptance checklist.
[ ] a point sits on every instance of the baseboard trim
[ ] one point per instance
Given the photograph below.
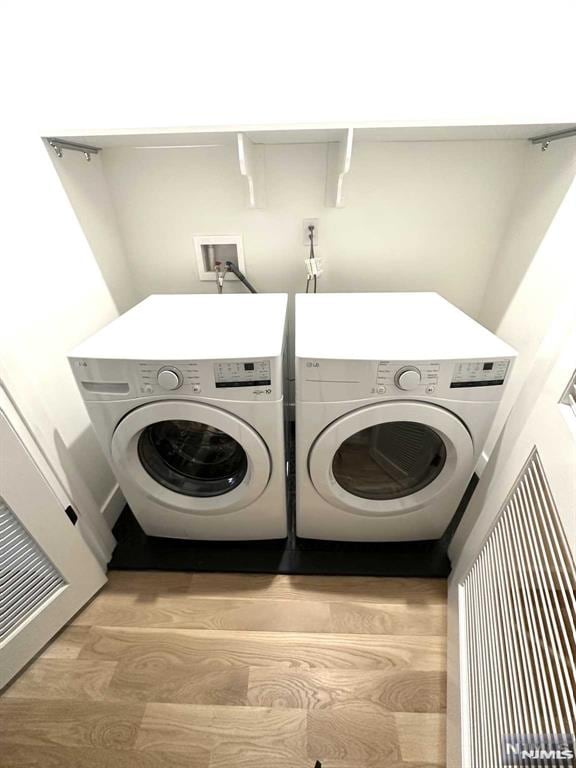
(113, 506)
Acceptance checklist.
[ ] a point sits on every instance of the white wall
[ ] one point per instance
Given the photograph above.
(86, 186)
(52, 296)
(417, 215)
(531, 280)
(545, 179)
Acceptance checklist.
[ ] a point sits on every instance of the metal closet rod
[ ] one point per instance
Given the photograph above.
(59, 144)
(548, 137)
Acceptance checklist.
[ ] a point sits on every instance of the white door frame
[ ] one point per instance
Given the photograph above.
(42, 523)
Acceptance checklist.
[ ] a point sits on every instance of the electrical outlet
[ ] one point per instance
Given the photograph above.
(306, 232)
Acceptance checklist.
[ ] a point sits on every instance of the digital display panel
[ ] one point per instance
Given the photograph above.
(242, 374)
(479, 373)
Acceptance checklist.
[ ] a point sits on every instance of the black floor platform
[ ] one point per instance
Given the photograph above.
(136, 551)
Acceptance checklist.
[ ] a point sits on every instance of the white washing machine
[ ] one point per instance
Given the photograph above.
(395, 395)
(185, 395)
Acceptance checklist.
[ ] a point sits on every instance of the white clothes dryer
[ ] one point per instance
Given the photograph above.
(395, 395)
(185, 393)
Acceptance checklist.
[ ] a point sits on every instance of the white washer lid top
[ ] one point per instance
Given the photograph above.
(390, 326)
(193, 327)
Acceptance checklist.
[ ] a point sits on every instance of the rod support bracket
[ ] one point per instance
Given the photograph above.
(59, 145)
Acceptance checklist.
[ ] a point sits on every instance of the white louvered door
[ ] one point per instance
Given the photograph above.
(512, 594)
(47, 572)
(519, 633)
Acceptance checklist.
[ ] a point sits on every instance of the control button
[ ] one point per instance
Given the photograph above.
(148, 388)
(381, 390)
(430, 388)
(196, 388)
(408, 378)
(169, 378)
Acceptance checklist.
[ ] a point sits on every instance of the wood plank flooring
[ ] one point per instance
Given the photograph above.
(166, 670)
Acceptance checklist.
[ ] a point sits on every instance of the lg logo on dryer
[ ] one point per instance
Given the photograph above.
(312, 364)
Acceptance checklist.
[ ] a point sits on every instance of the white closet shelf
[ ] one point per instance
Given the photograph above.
(339, 138)
(306, 134)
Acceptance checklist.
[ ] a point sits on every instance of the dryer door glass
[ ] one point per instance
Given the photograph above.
(390, 460)
(192, 458)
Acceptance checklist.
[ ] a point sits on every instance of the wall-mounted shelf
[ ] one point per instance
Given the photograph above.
(247, 144)
(251, 161)
(309, 134)
(338, 165)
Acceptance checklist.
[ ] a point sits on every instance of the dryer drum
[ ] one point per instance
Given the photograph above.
(389, 460)
(192, 458)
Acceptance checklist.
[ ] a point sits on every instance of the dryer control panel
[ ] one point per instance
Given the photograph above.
(324, 380)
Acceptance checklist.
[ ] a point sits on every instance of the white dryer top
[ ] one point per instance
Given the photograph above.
(390, 326)
(193, 327)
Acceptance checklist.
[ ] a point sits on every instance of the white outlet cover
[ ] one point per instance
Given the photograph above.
(306, 233)
(202, 240)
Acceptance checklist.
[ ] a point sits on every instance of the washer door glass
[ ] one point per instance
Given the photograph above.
(389, 460)
(192, 458)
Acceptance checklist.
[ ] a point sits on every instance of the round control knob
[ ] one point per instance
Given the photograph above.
(169, 379)
(408, 378)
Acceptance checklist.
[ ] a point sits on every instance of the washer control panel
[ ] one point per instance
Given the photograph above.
(251, 373)
(479, 373)
(228, 379)
(249, 379)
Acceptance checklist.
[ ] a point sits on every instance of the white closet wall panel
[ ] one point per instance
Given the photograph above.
(541, 307)
(52, 296)
(544, 181)
(87, 190)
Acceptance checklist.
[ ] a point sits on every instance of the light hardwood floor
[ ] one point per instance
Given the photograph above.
(166, 670)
